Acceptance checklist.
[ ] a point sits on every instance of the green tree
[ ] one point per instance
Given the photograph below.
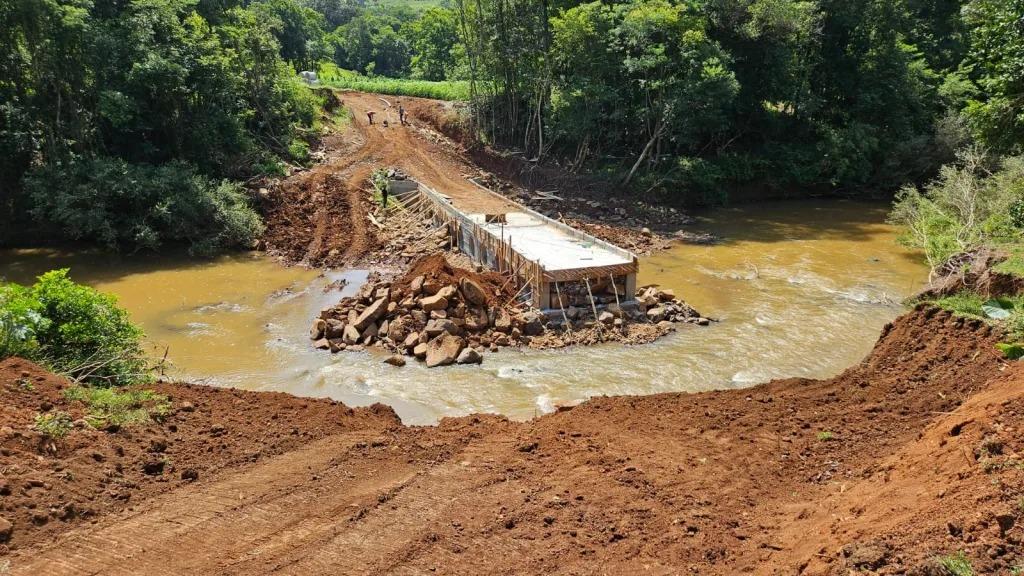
(997, 54)
(299, 30)
(432, 38)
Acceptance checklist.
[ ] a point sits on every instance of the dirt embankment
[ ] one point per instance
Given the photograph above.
(319, 217)
(911, 456)
(975, 271)
(50, 486)
(595, 205)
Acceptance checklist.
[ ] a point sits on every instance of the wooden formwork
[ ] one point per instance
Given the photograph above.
(497, 253)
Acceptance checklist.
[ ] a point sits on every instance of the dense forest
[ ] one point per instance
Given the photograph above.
(132, 121)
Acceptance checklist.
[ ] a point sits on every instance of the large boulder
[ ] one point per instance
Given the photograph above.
(420, 351)
(411, 341)
(532, 324)
(416, 286)
(443, 350)
(316, 331)
(502, 320)
(469, 356)
(656, 314)
(473, 291)
(430, 287)
(440, 326)
(448, 292)
(372, 313)
(397, 330)
(436, 302)
(350, 335)
(335, 328)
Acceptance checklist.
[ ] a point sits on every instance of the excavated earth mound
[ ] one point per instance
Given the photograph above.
(49, 486)
(893, 467)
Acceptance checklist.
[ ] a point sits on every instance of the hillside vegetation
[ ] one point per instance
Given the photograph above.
(686, 102)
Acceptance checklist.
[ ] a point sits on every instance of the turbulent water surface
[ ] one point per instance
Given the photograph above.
(800, 289)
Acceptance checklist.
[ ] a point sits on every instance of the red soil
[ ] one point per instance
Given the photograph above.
(923, 458)
(436, 267)
(48, 487)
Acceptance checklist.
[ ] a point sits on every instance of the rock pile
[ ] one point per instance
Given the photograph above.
(437, 323)
(444, 315)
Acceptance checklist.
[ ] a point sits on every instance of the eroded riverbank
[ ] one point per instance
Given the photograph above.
(901, 461)
(802, 289)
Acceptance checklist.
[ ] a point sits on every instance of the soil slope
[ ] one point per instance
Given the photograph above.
(912, 454)
(319, 217)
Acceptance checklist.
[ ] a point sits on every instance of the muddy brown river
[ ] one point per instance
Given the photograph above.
(800, 289)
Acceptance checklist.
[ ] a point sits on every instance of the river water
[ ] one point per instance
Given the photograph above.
(800, 289)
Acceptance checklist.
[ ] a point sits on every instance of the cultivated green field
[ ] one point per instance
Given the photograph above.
(334, 77)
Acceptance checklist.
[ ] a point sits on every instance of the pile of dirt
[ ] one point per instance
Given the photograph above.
(443, 314)
(896, 466)
(439, 270)
(319, 218)
(50, 485)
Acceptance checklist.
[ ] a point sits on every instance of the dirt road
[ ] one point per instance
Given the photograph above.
(318, 217)
(906, 457)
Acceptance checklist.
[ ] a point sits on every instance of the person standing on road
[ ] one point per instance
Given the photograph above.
(401, 114)
(369, 114)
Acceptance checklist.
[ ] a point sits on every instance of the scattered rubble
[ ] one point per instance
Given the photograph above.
(444, 315)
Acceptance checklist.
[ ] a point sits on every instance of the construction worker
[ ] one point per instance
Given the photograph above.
(369, 114)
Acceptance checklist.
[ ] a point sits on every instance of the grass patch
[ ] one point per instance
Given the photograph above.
(826, 436)
(966, 304)
(54, 425)
(348, 80)
(119, 406)
(957, 564)
(1014, 265)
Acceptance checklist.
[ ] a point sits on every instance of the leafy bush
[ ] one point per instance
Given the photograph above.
(135, 206)
(54, 425)
(21, 319)
(119, 406)
(1011, 351)
(73, 329)
(966, 207)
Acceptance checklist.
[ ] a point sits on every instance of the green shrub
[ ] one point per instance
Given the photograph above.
(1011, 351)
(140, 206)
(54, 425)
(119, 406)
(21, 319)
(968, 206)
(73, 329)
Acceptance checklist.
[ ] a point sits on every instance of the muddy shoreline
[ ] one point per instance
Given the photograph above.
(906, 457)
